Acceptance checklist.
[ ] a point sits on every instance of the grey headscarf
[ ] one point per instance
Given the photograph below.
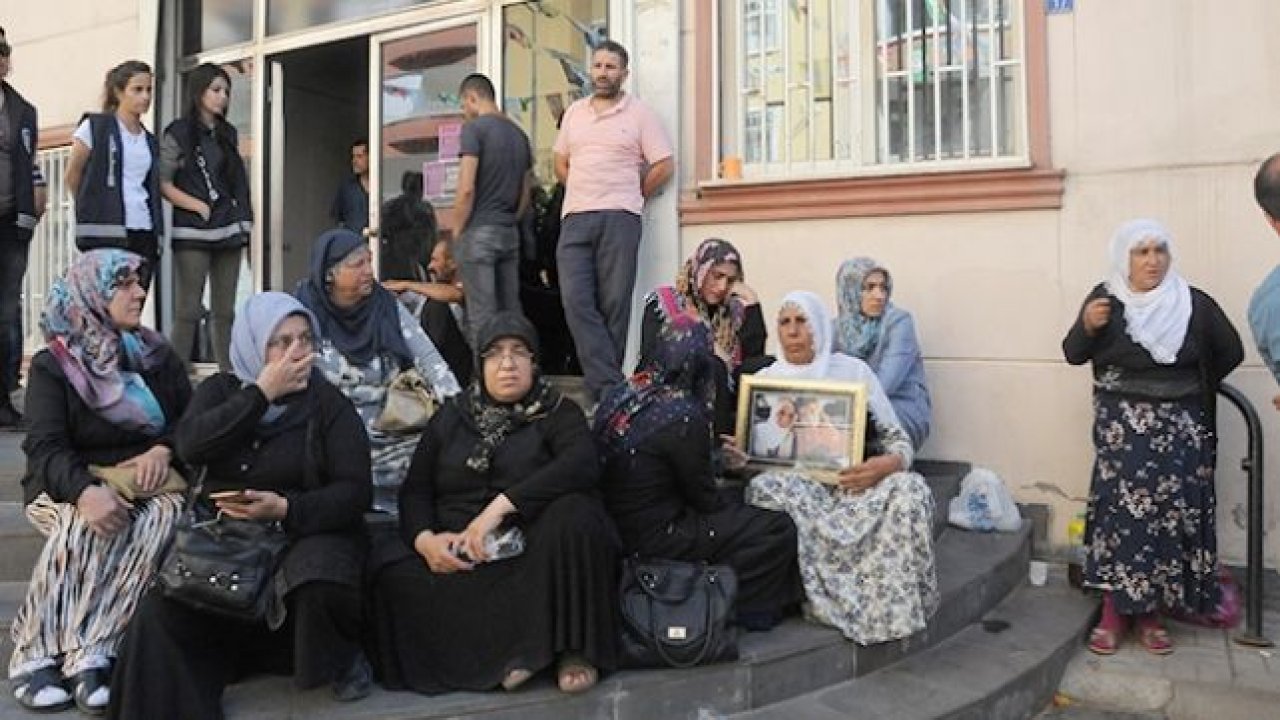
(258, 318)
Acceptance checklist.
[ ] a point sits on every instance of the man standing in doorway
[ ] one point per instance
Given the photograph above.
(22, 202)
(1264, 307)
(612, 153)
(351, 203)
(493, 193)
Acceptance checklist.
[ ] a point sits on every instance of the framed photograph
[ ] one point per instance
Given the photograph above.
(818, 426)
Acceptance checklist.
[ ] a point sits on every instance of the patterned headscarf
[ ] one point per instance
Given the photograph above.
(856, 334)
(674, 382)
(494, 420)
(1159, 318)
(370, 327)
(725, 320)
(101, 361)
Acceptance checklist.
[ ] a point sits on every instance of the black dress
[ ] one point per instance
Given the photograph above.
(467, 630)
(664, 499)
(176, 661)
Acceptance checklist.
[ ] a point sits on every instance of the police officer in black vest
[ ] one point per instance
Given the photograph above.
(22, 202)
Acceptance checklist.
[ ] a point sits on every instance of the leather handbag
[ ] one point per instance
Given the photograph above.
(122, 480)
(409, 404)
(222, 565)
(677, 614)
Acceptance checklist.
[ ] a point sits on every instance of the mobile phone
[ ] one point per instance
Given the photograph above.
(231, 496)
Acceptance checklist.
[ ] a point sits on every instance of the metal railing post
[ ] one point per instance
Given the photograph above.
(1255, 568)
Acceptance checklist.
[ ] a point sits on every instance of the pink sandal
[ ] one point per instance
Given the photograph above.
(1153, 636)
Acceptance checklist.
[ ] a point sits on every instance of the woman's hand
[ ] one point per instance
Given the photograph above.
(202, 209)
(744, 293)
(1096, 315)
(255, 505)
(150, 468)
(472, 538)
(286, 375)
(437, 550)
(869, 473)
(734, 459)
(103, 510)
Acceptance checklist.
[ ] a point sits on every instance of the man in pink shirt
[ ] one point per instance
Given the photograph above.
(611, 154)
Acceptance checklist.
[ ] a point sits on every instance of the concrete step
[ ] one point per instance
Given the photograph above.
(11, 596)
(1004, 667)
(20, 541)
(975, 571)
(944, 478)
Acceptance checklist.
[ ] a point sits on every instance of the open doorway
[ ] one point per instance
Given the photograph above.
(319, 99)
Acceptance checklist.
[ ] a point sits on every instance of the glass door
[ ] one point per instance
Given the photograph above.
(416, 121)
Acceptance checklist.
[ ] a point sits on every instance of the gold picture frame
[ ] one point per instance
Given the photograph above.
(824, 433)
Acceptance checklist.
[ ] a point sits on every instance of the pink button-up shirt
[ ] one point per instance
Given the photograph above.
(609, 153)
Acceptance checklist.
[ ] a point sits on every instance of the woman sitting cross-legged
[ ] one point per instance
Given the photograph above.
(866, 544)
(510, 457)
(658, 444)
(278, 444)
(105, 392)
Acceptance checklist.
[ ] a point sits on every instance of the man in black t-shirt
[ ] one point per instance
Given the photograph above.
(493, 193)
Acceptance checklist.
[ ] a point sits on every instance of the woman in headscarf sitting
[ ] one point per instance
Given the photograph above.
(710, 289)
(866, 543)
(278, 444)
(102, 398)
(1159, 349)
(514, 561)
(871, 328)
(366, 339)
(659, 446)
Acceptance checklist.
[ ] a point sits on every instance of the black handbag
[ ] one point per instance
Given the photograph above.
(677, 614)
(222, 565)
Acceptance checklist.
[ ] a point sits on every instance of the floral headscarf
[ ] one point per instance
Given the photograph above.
(856, 334)
(101, 361)
(725, 320)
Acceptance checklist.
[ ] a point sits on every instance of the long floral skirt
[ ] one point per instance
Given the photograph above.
(1151, 532)
(866, 558)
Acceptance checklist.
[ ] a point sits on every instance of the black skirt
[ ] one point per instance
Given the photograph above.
(467, 630)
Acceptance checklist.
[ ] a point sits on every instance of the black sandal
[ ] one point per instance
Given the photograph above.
(87, 684)
(27, 691)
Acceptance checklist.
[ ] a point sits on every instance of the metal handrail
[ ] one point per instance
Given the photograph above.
(1254, 570)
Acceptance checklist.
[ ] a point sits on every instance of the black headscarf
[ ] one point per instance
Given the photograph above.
(368, 328)
(495, 420)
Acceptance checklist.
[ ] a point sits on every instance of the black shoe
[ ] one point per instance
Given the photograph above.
(93, 691)
(11, 418)
(356, 683)
(43, 691)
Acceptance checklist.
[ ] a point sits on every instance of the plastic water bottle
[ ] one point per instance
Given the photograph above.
(1075, 539)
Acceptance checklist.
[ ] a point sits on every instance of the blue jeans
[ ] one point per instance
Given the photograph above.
(13, 266)
(596, 258)
(489, 259)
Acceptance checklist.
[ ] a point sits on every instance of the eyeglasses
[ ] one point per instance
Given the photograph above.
(305, 339)
(518, 354)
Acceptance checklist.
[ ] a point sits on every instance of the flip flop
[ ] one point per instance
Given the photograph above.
(1103, 641)
(516, 678)
(575, 665)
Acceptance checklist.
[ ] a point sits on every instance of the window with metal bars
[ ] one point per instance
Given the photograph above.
(827, 87)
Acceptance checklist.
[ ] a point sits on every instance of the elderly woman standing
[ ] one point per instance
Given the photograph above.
(280, 445)
(105, 392)
(1159, 349)
(710, 289)
(366, 339)
(871, 328)
(866, 544)
(509, 456)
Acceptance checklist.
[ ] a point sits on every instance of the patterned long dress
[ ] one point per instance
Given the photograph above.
(866, 558)
(366, 386)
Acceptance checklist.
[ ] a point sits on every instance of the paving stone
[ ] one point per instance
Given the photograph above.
(1197, 701)
(1103, 682)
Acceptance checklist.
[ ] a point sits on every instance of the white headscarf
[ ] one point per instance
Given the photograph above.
(1157, 319)
(827, 365)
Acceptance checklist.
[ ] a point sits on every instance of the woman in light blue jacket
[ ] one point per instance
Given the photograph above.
(871, 328)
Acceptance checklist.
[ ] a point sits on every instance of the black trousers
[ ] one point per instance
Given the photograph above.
(176, 661)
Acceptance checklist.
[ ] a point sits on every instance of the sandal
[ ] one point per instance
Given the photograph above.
(576, 675)
(516, 678)
(93, 690)
(1103, 641)
(1155, 638)
(43, 691)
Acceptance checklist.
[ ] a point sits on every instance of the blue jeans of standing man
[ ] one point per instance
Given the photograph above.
(489, 259)
(596, 258)
(13, 266)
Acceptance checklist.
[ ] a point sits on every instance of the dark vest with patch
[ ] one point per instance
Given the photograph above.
(22, 121)
(100, 199)
(230, 215)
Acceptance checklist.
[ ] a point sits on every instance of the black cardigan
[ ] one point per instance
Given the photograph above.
(1211, 350)
(66, 436)
(536, 464)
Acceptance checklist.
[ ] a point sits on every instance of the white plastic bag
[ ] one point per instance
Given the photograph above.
(984, 504)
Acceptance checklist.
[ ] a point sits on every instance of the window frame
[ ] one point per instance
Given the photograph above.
(1028, 181)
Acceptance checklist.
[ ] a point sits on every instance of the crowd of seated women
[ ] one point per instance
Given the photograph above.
(290, 434)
